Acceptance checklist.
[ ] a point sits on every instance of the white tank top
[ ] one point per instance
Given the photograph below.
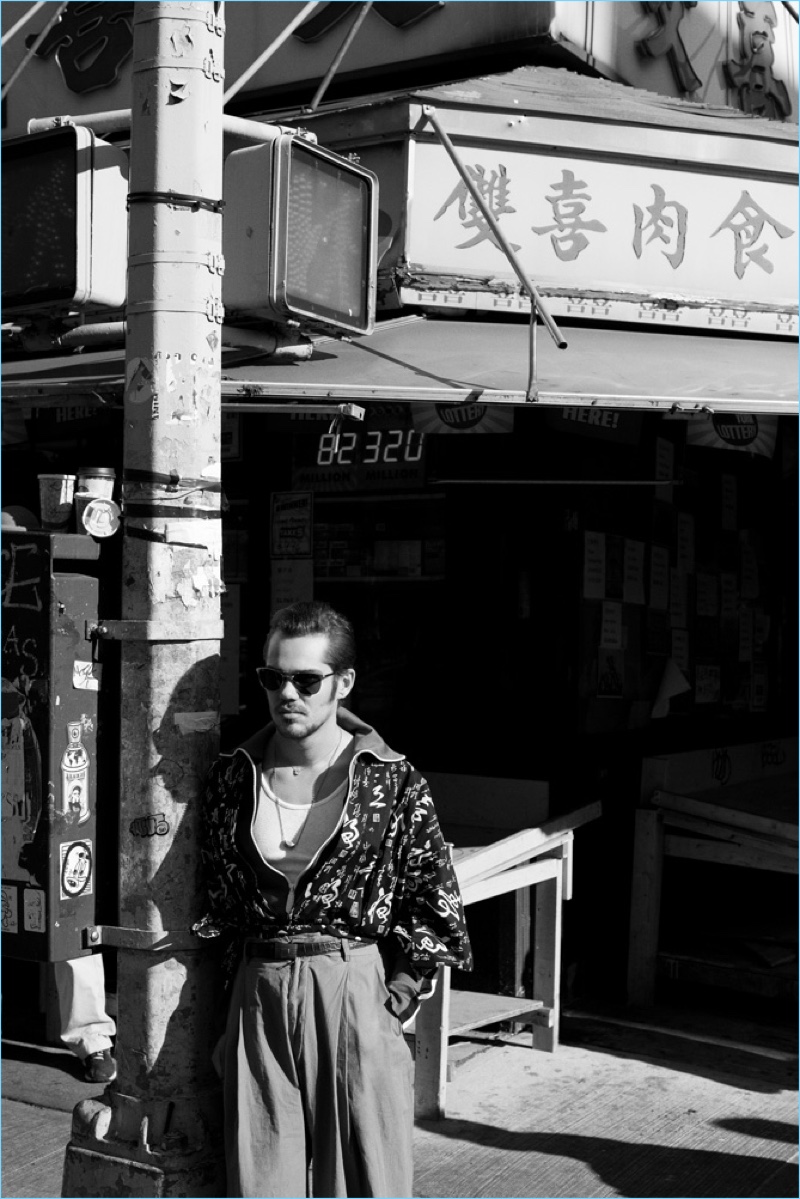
(288, 839)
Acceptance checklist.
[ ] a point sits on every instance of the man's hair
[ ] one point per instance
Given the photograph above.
(312, 617)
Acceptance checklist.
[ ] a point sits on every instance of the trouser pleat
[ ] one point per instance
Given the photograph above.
(316, 1067)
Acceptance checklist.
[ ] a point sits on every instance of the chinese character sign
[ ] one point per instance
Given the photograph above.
(493, 188)
(91, 42)
(569, 202)
(665, 228)
(601, 225)
(666, 39)
(753, 76)
(747, 222)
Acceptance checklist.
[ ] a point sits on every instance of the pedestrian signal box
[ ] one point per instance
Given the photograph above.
(50, 730)
(64, 222)
(300, 235)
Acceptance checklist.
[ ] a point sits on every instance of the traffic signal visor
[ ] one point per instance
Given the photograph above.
(300, 235)
(64, 222)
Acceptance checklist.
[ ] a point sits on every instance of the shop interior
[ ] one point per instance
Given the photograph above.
(514, 622)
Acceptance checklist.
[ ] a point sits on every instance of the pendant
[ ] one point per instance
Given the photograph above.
(296, 770)
(288, 844)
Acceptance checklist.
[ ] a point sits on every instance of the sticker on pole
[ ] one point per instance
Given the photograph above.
(76, 869)
(10, 920)
(101, 517)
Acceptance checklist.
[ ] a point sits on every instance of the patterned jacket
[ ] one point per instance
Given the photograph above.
(384, 874)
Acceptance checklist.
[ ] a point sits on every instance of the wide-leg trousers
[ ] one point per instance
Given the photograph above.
(316, 1069)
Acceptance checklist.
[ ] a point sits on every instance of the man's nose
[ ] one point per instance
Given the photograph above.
(286, 684)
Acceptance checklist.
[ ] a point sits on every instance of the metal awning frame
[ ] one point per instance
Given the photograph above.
(274, 398)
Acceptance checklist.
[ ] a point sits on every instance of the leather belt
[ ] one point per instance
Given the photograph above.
(284, 951)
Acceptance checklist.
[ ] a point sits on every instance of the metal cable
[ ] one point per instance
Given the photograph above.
(32, 51)
(270, 50)
(345, 46)
(22, 21)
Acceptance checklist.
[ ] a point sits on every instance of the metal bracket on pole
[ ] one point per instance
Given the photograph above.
(153, 630)
(152, 940)
(537, 303)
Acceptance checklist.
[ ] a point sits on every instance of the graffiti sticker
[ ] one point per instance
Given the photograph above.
(76, 869)
(10, 917)
(34, 910)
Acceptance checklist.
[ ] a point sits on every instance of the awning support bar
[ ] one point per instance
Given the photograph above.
(519, 270)
(334, 67)
(532, 393)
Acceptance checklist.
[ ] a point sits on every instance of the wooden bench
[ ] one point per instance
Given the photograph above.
(733, 806)
(532, 857)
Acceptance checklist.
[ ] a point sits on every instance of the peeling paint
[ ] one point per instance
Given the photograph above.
(139, 380)
(185, 591)
(178, 91)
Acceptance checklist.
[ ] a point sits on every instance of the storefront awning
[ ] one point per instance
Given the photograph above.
(415, 360)
(445, 361)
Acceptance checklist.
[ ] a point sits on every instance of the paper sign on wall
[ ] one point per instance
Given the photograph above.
(611, 632)
(292, 524)
(707, 684)
(594, 565)
(610, 674)
(633, 584)
(292, 581)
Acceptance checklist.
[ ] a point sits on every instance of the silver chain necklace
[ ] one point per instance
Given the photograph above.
(290, 844)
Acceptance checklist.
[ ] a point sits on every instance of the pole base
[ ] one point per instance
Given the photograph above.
(88, 1173)
(96, 1163)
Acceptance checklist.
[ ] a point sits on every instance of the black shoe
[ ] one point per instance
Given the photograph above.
(100, 1066)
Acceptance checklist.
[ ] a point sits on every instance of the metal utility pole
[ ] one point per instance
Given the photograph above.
(157, 1130)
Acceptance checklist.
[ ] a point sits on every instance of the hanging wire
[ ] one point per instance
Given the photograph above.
(32, 51)
(270, 50)
(345, 46)
(22, 21)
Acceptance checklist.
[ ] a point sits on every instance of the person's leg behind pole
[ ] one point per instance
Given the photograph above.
(86, 1027)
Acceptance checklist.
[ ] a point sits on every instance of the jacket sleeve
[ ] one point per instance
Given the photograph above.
(429, 921)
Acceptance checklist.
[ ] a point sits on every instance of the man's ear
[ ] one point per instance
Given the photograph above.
(345, 683)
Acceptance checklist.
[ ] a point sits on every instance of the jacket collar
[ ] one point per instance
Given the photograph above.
(366, 739)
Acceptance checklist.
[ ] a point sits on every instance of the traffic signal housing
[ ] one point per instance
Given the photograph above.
(300, 235)
(64, 223)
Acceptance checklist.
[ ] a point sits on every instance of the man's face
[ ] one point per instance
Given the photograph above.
(298, 716)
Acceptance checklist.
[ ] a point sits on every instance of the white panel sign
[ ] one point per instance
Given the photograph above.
(607, 227)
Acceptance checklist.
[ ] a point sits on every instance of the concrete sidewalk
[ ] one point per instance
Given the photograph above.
(619, 1109)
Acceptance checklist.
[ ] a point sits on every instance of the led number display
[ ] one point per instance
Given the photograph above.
(370, 446)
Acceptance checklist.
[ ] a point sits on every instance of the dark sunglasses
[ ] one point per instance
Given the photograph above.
(307, 682)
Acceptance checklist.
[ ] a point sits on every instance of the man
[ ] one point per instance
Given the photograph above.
(323, 853)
